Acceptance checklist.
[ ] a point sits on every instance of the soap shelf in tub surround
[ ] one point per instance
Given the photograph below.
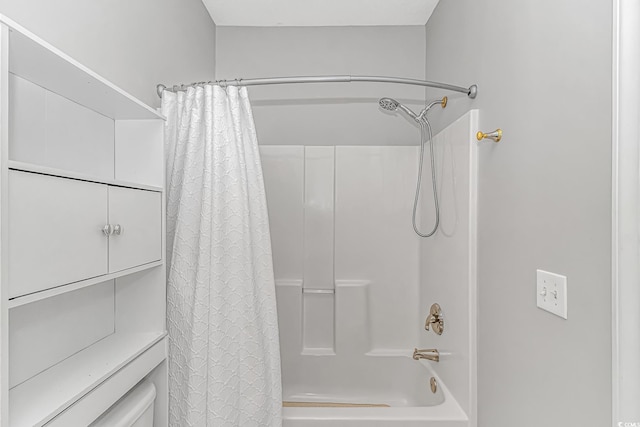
(82, 268)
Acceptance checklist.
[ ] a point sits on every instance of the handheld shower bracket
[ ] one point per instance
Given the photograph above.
(423, 113)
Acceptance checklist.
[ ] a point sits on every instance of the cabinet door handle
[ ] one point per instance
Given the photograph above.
(107, 230)
(118, 229)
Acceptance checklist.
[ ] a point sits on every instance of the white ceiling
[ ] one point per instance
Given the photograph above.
(313, 13)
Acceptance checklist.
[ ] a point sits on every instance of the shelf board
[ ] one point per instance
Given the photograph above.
(38, 400)
(48, 293)
(45, 170)
(34, 59)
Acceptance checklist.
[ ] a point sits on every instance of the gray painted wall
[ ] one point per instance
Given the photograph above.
(544, 75)
(135, 44)
(326, 114)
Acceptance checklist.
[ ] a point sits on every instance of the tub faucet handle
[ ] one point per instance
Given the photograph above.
(435, 319)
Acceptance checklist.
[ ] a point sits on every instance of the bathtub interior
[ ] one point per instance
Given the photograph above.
(396, 381)
(408, 395)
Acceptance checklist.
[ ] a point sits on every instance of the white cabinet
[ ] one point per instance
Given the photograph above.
(82, 311)
(135, 216)
(55, 233)
(65, 230)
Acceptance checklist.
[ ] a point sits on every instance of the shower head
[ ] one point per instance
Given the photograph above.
(391, 104)
(388, 104)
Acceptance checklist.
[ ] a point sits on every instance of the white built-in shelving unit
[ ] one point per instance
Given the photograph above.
(82, 273)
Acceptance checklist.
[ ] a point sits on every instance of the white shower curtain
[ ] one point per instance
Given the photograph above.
(224, 356)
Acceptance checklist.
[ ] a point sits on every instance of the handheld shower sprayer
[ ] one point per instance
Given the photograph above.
(391, 104)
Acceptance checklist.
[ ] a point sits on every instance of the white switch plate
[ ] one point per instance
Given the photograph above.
(552, 292)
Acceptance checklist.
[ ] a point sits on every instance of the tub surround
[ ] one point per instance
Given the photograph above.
(354, 283)
(448, 260)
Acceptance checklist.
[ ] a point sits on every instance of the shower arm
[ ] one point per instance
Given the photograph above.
(442, 102)
(470, 91)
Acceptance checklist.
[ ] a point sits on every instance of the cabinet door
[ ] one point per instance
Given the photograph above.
(55, 231)
(138, 213)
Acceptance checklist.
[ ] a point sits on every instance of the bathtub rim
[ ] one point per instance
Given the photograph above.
(449, 410)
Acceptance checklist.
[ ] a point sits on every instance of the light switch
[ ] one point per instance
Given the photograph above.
(551, 292)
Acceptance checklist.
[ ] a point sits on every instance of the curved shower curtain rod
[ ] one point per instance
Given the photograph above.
(471, 91)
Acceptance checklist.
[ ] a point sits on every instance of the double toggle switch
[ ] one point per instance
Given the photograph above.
(552, 292)
(112, 230)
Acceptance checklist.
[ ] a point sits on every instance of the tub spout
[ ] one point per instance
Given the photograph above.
(429, 354)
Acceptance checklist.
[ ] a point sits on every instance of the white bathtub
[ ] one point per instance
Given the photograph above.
(397, 381)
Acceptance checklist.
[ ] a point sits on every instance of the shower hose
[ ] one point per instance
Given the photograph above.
(425, 130)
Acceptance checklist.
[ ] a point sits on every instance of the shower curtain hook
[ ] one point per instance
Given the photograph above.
(160, 89)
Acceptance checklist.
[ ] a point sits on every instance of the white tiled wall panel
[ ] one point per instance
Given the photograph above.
(318, 217)
(283, 169)
(375, 240)
(363, 197)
